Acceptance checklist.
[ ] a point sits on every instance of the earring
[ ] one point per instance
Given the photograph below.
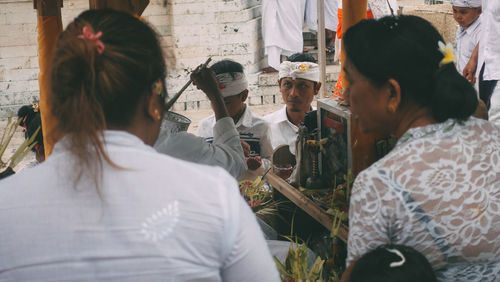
(157, 114)
(391, 109)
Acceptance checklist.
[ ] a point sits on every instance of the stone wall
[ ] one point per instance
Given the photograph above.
(191, 31)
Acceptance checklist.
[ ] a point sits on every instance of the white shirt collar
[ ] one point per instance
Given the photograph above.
(246, 118)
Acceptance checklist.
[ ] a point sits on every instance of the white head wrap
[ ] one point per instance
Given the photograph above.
(231, 84)
(466, 3)
(304, 70)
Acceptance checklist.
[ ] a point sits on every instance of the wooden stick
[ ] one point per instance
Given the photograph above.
(172, 101)
(306, 204)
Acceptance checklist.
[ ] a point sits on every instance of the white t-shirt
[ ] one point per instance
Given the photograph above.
(253, 130)
(156, 218)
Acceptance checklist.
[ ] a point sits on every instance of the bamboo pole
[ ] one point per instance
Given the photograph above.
(49, 26)
(321, 47)
(353, 11)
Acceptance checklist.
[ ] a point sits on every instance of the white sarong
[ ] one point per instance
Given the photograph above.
(282, 22)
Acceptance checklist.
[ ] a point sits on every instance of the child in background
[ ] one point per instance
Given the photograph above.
(466, 13)
(391, 263)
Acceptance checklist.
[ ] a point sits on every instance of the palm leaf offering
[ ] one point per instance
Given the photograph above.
(296, 266)
(21, 151)
(259, 196)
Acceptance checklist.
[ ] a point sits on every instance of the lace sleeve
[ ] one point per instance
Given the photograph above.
(370, 214)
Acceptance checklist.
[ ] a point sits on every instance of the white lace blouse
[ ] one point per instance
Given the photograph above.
(437, 191)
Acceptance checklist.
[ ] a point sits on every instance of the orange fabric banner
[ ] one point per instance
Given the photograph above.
(49, 28)
(353, 11)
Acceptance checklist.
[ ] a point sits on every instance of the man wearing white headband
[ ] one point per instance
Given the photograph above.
(299, 83)
(254, 131)
(225, 151)
(466, 13)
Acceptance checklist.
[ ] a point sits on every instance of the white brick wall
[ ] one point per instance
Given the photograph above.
(191, 31)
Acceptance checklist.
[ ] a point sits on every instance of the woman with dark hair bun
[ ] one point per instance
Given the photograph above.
(105, 205)
(31, 122)
(438, 189)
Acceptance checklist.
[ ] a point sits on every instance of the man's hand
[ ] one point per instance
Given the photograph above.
(254, 163)
(204, 79)
(246, 148)
(470, 71)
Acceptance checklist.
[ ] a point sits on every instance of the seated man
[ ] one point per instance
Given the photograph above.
(225, 150)
(253, 130)
(299, 83)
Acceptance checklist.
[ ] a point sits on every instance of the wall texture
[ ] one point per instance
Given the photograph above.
(191, 31)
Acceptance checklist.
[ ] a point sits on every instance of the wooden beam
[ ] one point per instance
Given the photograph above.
(135, 7)
(49, 28)
(306, 204)
(47, 8)
(353, 11)
(321, 47)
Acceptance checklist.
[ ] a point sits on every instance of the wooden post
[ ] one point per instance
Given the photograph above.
(322, 47)
(353, 11)
(135, 7)
(49, 27)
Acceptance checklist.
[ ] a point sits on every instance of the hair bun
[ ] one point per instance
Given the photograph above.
(453, 97)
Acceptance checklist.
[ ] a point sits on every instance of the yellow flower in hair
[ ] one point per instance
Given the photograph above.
(447, 51)
(303, 67)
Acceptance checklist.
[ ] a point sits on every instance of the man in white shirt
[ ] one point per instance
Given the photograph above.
(225, 150)
(485, 61)
(253, 130)
(466, 13)
(282, 22)
(299, 83)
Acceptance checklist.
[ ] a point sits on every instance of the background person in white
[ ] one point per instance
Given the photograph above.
(299, 83)
(253, 130)
(105, 206)
(282, 22)
(467, 14)
(485, 61)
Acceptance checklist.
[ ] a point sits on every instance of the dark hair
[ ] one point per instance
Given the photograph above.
(375, 266)
(93, 90)
(227, 66)
(405, 48)
(301, 57)
(30, 120)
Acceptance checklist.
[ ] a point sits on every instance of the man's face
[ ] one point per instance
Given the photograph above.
(234, 104)
(465, 16)
(298, 94)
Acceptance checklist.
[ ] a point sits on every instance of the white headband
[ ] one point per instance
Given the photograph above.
(466, 3)
(304, 70)
(231, 84)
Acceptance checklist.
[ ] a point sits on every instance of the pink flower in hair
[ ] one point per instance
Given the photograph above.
(88, 35)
